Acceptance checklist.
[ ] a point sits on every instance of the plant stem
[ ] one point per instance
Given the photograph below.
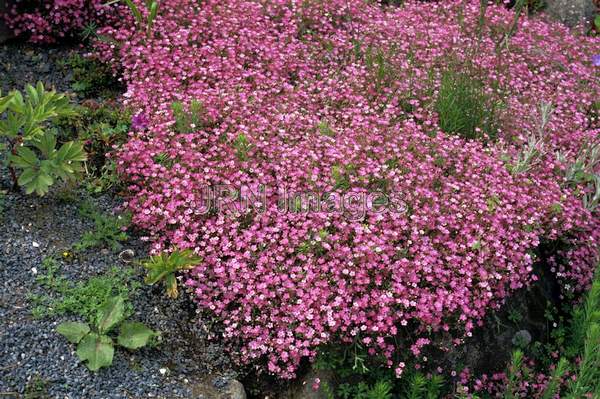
(13, 172)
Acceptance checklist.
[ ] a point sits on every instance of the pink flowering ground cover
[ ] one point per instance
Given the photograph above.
(340, 97)
(46, 21)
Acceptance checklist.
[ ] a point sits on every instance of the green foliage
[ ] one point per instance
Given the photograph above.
(416, 387)
(33, 147)
(134, 335)
(192, 119)
(464, 108)
(108, 230)
(96, 347)
(151, 5)
(83, 298)
(39, 174)
(242, 146)
(36, 388)
(91, 78)
(514, 371)
(101, 127)
(597, 23)
(325, 129)
(582, 173)
(27, 114)
(364, 377)
(163, 267)
(553, 387)
(585, 342)
(378, 63)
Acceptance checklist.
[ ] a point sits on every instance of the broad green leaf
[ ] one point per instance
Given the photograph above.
(5, 101)
(17, 104)
(134, 335)
(39, 185)
(72, 151)
(33, 95)
(96, 350)
(73, 331)
(597, 22)
(25, 158)
(111, 314)
(27, 176)
(46, 144)
(155, 275)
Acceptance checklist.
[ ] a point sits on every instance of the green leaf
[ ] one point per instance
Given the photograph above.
(151, 17)
(46, 144)
(134, 10)
(73, 332)
(111, 314)
(71, 151)
(25, 158)
(134, 335)
(17, 104)
(597, 22)
(97, 350)
(164, 265)
(5, 101)
(33, 94)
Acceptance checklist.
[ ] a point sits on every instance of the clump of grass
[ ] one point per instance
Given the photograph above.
(82, 298)
(108, 230)
(464, 108)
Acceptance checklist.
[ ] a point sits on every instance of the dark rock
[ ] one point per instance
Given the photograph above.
(572, 12)
(219, 387)
(304, 387)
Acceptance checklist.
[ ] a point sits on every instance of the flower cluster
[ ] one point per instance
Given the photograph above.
(48, 21)
(339, 96)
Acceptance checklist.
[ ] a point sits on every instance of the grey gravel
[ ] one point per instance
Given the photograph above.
(33, 228)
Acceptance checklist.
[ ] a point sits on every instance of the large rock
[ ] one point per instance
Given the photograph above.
(217, 387)
(572, 12)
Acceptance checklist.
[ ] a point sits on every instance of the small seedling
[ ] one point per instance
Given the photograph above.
(94, 345)
(163, 267)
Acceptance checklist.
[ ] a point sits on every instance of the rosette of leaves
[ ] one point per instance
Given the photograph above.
(33, 148)
(163, 267)
(94, 346)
